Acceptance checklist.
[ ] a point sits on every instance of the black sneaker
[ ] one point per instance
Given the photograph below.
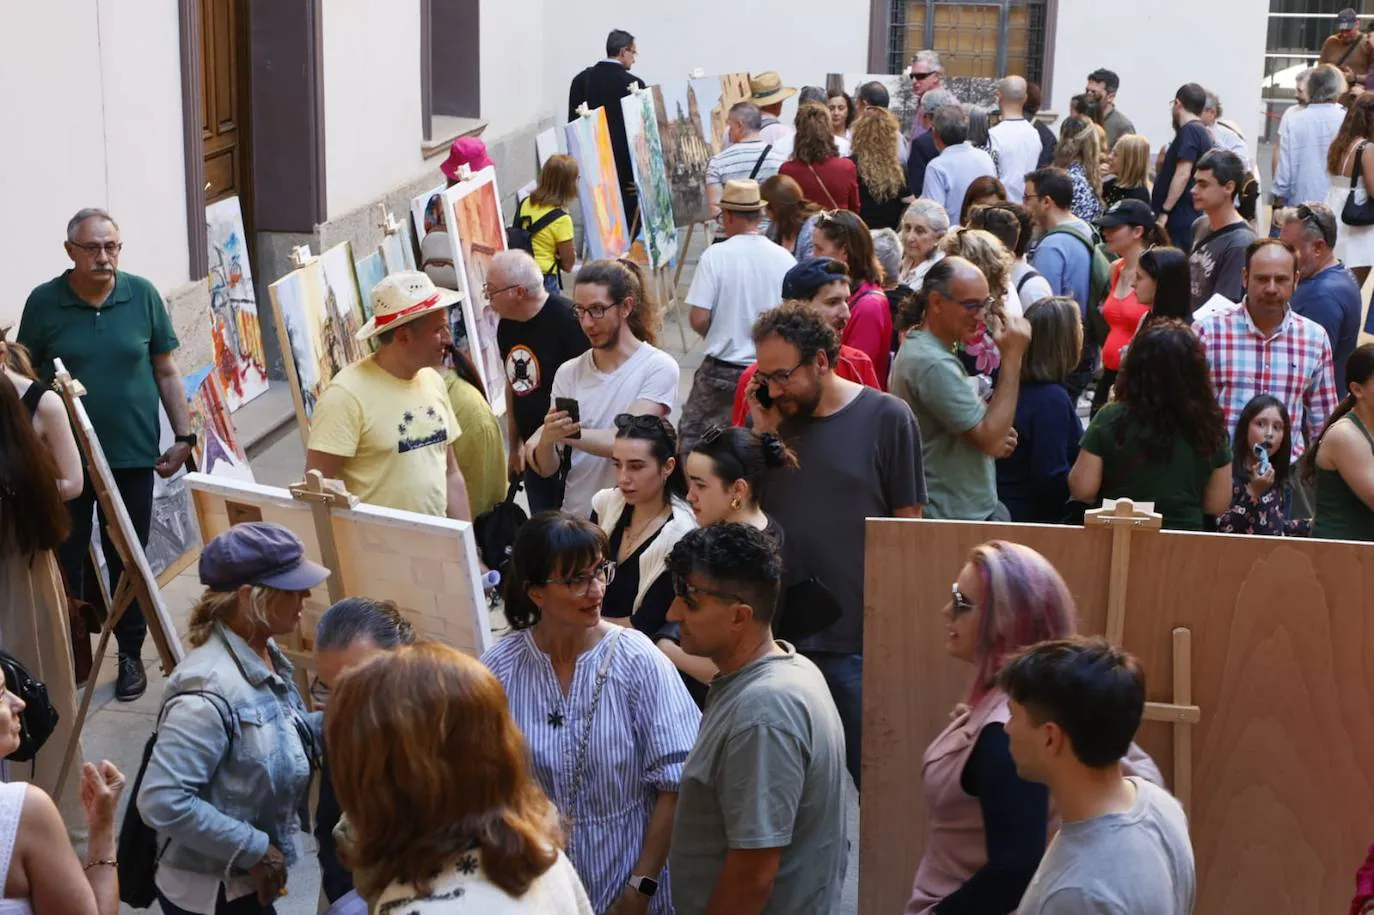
(131, 681)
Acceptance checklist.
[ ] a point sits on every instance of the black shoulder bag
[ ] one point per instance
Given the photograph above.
(39, 718)
(1358, 214)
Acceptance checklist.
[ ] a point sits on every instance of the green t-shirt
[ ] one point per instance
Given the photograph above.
(109, 350)
(480, 450)
(960, 478)
(1174, 485)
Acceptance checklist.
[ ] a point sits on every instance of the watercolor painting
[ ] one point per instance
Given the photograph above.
(217, 448)
(371, 270)
(479, 230)
(902, 101)
(341, 281)
(321, 336)
(651, 180)
(603, 209)
(716, 95)
(239, 357)
(686, 151)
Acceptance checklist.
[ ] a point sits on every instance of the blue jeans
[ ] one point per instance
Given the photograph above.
(543, 493)
(844, 674)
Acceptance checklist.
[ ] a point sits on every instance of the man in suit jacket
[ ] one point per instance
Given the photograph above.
(603, 85)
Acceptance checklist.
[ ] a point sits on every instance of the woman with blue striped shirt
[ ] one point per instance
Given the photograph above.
(607, 718)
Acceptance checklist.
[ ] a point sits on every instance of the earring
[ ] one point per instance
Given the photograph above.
(734, 504)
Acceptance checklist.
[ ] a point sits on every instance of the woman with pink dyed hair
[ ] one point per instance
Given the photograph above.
(987, 826)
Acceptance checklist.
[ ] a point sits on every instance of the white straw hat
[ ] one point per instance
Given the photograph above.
(401, 298)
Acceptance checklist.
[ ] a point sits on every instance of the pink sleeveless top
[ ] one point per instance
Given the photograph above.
(955, 843)
(11, 807)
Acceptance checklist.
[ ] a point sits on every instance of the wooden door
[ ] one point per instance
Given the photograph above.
(224, 99)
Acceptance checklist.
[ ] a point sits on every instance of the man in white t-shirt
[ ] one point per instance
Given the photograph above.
(622, 373)
(1014, 138)
(1123, 844)
(736, 281)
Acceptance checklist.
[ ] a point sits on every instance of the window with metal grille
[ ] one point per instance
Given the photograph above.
(991, 38)
(1297, 29)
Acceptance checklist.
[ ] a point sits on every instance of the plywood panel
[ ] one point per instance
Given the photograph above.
(428, 566)
(1281, 801)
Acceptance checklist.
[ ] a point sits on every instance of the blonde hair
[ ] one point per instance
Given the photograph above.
(986, 252)
(557, 182)
(219, 607)
(1056, 340)
(15, 355)
(875, 153)
(1132, 161)
(1078, 142)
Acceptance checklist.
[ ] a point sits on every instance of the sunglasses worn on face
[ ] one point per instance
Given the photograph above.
(646, 423)
(916, 77)
(958, 602)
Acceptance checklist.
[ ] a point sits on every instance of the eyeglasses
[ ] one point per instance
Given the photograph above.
(581, 585)
(780, 377)
(958, 602)
(493, 293)
(645, 423)
(595, 312)
(685, 592)
(111, 248)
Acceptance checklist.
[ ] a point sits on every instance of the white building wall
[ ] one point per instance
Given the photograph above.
(516, 35)
(1169, 46)
(91, 101)
(371, 91)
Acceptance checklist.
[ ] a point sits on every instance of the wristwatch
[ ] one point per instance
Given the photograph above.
(187, 440)
(645, 886)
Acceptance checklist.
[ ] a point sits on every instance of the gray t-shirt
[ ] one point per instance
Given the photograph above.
(863, 461)
(1136, 863)
(766, 771)
(1217, 260)
(962, 479)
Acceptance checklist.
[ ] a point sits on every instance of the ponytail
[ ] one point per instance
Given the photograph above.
(776, 454)
(15, 356)
(743, 454)
(624, 279)
(1156, 237)
(1359, 369)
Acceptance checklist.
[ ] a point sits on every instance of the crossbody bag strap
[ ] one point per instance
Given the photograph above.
(833, 204)
(1356, 172)
(759, 164)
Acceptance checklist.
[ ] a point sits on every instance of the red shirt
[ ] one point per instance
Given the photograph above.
(832, 184)
(853, 365)
(1123, 317)
(870, 327)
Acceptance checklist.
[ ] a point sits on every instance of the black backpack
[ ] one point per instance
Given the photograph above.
(137, 850)
(495, 529)
(39, 718)
(522, 230)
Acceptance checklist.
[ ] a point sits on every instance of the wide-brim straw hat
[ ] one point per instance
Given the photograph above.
(767, 89)
(401, 298)
(742, 196)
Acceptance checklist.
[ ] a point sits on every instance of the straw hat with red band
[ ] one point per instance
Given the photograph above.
(401, 298)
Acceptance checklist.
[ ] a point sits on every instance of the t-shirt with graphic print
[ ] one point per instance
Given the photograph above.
(533, 350)
(393, 435)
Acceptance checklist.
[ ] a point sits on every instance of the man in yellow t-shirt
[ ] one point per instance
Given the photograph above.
(384, 424)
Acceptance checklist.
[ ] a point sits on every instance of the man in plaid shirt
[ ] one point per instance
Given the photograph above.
(1264, 347)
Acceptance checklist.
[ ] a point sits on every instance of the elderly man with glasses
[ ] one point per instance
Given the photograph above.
(112, 332)
(1327, 292)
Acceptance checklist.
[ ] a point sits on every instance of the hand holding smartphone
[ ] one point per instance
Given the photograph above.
(569, 406)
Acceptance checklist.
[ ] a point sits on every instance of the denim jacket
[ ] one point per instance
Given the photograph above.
(220, 802)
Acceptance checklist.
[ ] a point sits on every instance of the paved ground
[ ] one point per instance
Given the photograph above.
(118, 731)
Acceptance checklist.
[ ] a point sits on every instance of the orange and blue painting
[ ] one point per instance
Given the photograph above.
(480, 234)
(239, 357)
(603, 210)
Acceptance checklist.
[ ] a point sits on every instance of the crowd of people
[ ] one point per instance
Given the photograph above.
(974, 318)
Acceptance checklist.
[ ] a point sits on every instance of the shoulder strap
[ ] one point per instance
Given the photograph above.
(543, 222)
(32, 395)
(1348, 51)
(1026, 278)
(226, 713)
(1065, 230)
(759, 164)
(1355, 163)
(828, 195)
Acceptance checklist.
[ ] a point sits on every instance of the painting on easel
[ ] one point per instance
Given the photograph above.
(902, 100)
(716, 95)
(474, 206)
(217, 450)
(603, 209)
(321, 337)
(371, 270)
(686, 151)
(239, 357)
(395, 251)
(437, 261)
(655, 196)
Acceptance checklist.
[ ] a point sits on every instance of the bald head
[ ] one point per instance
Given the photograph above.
(1012, 91)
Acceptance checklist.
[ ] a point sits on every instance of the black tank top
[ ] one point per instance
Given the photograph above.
(31, 396)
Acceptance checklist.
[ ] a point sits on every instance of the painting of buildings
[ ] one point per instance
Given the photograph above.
(239, 357)
(902, 101)
(655, 195)
(603, 210)
(477, 227)
(686, 151)
(321, 337)
(716, 95)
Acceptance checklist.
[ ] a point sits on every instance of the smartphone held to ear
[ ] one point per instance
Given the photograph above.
(569, 406)
(765, 399)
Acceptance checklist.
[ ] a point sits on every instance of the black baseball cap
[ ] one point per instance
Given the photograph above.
(1127, 213)
(806, 279)
(1347, 19)
(258, 553)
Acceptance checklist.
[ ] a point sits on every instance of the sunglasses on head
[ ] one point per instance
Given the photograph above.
(646, 423)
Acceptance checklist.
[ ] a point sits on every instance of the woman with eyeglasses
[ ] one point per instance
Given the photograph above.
(843, 236)
(644, 516)
(986, 825)
(608, 720)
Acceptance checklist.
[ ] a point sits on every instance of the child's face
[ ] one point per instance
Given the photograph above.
(1267, 427)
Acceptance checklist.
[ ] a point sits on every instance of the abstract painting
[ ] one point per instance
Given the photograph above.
(217, 451)
(603, 209)
(686, 150)
(478, 230)
(902, 101)
(437, 260)
(321, 336)
(655, 195)
(239, 357)
(716, 95)
(371, 270)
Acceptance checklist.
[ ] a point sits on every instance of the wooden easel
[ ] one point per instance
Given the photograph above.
(136, 583)
(1125, 517)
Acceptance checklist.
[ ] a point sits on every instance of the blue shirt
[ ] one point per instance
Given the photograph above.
(1332, 299)
(1033, 481)
(948, 176)
(1066, 263)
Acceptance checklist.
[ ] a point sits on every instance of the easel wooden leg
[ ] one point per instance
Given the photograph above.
(682, 256)
(671, 301)
(1183, 731)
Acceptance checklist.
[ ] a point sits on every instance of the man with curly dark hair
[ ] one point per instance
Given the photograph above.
(859, 452)
(760, 816)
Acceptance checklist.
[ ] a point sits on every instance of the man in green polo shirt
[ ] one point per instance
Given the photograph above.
(112, 332)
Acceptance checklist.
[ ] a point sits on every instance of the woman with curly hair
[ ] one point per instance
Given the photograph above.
(1080, 154)
(883, 193)
(1164, 440)
(825, 178)
(1354, 244)
(791, 217)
